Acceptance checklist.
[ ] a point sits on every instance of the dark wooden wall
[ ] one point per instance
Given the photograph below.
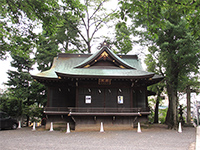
(65, 95)
(104, 97)
(139, 97)
(61, 96)
(107, 95)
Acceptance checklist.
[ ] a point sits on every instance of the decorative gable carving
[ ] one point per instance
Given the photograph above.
(104, 55)
(105, 58)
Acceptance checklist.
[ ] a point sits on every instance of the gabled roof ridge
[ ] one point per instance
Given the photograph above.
(98, 53)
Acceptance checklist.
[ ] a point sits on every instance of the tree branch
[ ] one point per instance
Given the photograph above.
(97, 9)
(96, 28)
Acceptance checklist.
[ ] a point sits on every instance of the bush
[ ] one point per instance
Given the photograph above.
(162, 115)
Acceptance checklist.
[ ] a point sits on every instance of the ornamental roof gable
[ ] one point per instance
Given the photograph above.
(105, 58)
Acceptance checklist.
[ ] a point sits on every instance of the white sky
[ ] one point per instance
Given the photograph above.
(4, 65)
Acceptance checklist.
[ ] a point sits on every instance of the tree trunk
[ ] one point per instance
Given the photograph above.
(27, 120)
(67, 47)
(157, 104)
(89, 47)
(188, 105)
(172, 86)
(175, 110)
(172, 114)
(156, 111)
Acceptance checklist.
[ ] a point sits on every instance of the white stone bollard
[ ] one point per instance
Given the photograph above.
(68, 128)
(19, 126)
(179, 128)
(101, 128)
(33, 126)
(139, 129)
(51, 128)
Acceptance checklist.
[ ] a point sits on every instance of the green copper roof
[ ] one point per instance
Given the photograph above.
(73, 65)
(105, 73)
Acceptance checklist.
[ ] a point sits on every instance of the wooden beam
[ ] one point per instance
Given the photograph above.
(107, 114)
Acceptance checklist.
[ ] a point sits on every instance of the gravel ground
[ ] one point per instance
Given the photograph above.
(154, 138)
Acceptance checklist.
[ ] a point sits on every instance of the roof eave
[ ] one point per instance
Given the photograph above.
(103, 76)
(44, 78)
(155, 80)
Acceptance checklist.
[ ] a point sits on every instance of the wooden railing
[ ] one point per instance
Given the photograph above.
(56, 109)
(107, 109)
(95, 110)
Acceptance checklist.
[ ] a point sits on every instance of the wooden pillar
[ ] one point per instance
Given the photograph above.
(131, 97)
(188, 91)
(77, 96)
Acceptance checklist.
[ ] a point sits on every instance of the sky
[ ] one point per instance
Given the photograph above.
(4, 65)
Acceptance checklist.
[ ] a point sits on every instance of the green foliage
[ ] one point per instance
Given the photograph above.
(35, 112)
(38, 94)
(173, 31)
(23, 98)
(151, 116)
(47, 49)
(154, 64)
(162, 116)
(153, 14)
(11, 105)
(18, 19)
(151, 102)
(181, 50)
(161, 112)
(67, 22)
(32, 9)
(62, 24)
(3, 45)
(123, 42)
(23, 92)
(67, 33)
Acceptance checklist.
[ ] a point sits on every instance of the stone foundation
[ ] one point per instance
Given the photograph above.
(93, 123)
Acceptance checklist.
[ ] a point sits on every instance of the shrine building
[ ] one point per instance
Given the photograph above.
(86, 89)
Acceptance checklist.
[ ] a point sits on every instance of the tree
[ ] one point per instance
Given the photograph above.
(172, 27)
(22, 16)
(47, 49)
(19, 88)
(18, 20)
(22, 88)
(67, 33)
(11, 105)
(122, 41)
(27, 95)
(181, 52)
(92, 20)
(154, 65)
(72, 22)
